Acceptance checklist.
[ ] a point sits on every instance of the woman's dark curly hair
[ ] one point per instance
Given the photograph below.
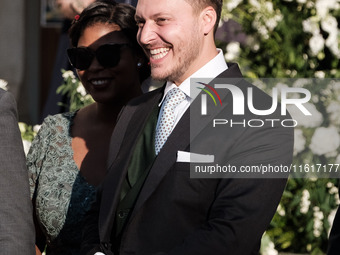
(110, 12)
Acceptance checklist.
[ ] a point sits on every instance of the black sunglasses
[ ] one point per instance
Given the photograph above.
(108, 55)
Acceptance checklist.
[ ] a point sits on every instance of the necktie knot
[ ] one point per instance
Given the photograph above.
(173, 98)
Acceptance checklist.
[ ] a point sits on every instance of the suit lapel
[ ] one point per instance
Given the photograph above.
(179, 140)
(197, 121)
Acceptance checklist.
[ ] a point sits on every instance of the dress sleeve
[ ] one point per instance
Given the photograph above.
(37, 153)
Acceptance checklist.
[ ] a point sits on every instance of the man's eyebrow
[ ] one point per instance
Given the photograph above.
(154, 16)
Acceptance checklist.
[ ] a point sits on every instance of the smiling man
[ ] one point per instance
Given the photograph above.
(149, 204)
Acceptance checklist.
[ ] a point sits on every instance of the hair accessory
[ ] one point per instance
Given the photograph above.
(76, 17)
(139, 64)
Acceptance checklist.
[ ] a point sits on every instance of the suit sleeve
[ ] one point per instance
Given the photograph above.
(243, 207)
(16, 224)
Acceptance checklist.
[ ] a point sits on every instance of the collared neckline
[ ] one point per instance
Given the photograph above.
(209, 71)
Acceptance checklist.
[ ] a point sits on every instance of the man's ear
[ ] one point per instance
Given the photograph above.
(209, 17)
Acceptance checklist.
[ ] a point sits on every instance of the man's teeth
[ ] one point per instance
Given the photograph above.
(159, 53)
(99, 82)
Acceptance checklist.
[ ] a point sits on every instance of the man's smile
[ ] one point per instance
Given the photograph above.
(159, 53)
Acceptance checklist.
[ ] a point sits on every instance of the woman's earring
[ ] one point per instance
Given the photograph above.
(139, 64)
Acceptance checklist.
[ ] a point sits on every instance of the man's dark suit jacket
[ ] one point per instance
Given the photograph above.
(178, 215)
(17, 234)
(334, 237)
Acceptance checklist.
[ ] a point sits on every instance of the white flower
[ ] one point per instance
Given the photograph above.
(323, 6)
(318, 225)
(255, 3)
(232, 51)
(281, 211)
(68, 74)
(36, 128)
(311, 25)
(3, 84)
(232, 4)
(270, 250)
(81, 90)
(301, 1)
(337, 199)
(269, 6)
(299, 141)
(272, 23)
(325, 141)
(304, 203)
(310, 121)
(333, 190)
(332, 42)
(316, 44)
(22, 127)
(319, 74)
(27, 145)
(313, 179)
(329, 24)
(329, 185)
(261, 29)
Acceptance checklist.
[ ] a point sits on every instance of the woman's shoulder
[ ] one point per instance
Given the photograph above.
(59, 119)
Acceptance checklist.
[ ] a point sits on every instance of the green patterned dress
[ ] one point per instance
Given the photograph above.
(62, 195)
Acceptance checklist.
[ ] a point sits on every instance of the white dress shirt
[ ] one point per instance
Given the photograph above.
(209, 71)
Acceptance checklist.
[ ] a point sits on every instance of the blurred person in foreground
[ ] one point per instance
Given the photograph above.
(17, 233)
(149, 204)
(67, 159)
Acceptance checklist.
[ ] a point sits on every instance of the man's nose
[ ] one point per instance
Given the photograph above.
(147, 33)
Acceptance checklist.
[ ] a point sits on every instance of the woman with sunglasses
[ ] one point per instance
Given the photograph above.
(67, 160)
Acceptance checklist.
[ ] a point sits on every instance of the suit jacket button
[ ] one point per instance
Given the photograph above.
(121, 214)
(105, 245)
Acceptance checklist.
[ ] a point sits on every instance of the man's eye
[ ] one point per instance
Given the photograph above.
(161, 21)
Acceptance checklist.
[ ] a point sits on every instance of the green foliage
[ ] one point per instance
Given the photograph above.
(27, 132)
(74, 90)
(280, 36)
(297, 39)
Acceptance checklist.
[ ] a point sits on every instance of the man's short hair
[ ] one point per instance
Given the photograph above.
(199, 5)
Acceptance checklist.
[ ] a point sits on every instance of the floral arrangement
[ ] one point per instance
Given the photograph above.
(74, 90)
(77, 97)
(286, 38)
(28, 133)
(297, 39)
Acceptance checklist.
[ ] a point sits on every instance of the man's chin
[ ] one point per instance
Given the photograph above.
(158, 76)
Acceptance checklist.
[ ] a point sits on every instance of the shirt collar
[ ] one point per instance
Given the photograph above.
(209, 71)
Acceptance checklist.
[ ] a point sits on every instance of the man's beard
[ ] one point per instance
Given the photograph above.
(188, 53)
